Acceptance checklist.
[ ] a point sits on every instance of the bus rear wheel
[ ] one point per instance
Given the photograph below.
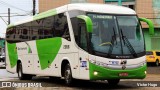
(68, 75)
(22, 76)
(113, 82)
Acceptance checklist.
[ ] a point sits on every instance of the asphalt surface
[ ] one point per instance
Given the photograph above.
(153, 76)
(152, 69)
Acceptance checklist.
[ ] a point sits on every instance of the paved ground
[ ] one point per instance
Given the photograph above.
(153, 75)
(152, 69)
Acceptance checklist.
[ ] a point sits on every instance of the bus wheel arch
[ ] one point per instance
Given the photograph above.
(21, 75)
(63, 64)
(18, 62)
(66, 72)
(20, 70)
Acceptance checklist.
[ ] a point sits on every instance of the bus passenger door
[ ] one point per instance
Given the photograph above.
(83, 52)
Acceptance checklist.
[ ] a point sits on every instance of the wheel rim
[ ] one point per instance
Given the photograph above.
(68, 75)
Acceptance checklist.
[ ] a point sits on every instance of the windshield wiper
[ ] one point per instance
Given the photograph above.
(112, 41)
(128, 44)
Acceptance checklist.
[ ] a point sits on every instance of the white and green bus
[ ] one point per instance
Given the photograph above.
(78, 41)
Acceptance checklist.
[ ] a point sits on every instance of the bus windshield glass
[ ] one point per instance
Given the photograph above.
(116, 35)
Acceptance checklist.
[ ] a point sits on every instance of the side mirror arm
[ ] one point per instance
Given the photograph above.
(88, 21)
(150, 24)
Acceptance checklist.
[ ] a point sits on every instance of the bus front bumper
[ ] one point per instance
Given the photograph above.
(102, 73)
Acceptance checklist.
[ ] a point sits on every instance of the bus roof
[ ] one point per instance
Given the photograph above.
(101, 8)
(88, 7)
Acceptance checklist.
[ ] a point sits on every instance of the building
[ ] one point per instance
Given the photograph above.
(145, 8)
(150, 9)
(45, 5)
(127, 3)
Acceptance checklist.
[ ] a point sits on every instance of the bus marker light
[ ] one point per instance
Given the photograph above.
(123, 74)
(95, 73)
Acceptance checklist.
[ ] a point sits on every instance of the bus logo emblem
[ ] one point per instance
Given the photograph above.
(123, 67)
(123, 63)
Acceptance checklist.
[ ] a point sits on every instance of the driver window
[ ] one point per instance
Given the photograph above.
(79, 29)
(83, 37)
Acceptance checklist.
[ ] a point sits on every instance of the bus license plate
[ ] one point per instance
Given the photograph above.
(123, 74)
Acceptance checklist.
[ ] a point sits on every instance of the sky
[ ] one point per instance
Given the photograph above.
(20, 9)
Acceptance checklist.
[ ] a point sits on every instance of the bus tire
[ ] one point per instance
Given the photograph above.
(113, 82)
(22, 76)
(68, 75)
(20, 71)
(157, 62)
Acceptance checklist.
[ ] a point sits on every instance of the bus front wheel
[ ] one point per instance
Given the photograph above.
(113, 82)
(68, 75)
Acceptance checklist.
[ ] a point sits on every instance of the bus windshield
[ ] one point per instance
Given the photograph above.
(116, 35)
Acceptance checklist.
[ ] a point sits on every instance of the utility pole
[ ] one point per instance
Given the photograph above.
(120, 2)
(34, 7)
(9, 20)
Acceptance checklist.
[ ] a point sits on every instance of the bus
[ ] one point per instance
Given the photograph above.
(78, 41)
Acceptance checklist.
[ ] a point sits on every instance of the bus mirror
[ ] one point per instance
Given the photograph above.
(88, 22)
(150, 24)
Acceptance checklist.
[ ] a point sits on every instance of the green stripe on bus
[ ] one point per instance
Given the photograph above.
(45, 14)
(105, 73)
(12, 53)
(150, 24)
(47, 50)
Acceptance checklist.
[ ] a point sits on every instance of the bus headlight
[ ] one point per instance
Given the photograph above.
(145, 72)
(143, 63)
(95, 73)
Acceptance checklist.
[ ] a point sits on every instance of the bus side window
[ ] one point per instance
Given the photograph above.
(80, 32)
(11, 35)
(74, 21)
(61, 26)
(66, 32)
